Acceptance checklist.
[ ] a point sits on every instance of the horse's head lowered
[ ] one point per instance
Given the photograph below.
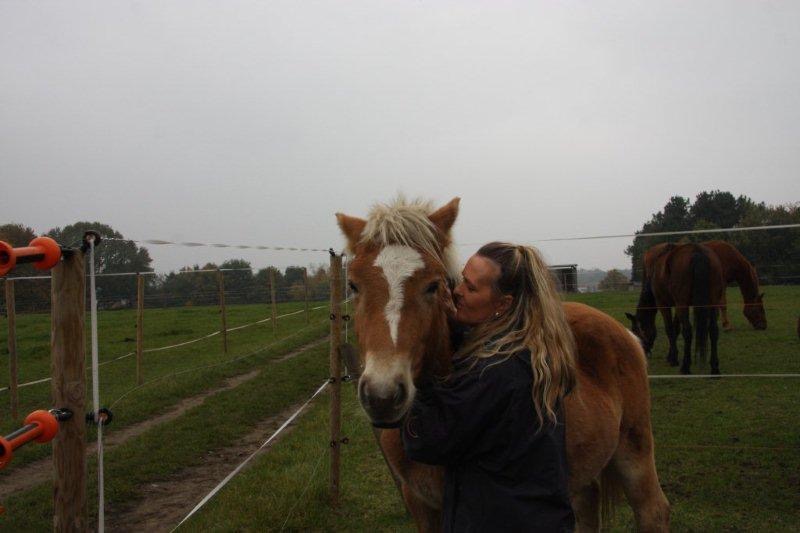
(398, 273)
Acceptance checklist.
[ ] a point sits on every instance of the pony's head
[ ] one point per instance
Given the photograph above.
(643, 323)
(398, 273)
(754, 310)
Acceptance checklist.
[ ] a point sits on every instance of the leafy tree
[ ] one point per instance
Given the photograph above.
(775, 253)
(240, 284)
(720, 209)
(675, 216)
(293, 275)
(262, 282)
(111, 256)
(614, 281)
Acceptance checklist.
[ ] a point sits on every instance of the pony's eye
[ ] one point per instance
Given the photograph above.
(353, 287)
(432, 288)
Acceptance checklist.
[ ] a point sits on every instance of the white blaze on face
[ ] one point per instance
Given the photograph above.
(398, 264)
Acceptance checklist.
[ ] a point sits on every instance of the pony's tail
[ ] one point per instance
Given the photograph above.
(701, 299)
(610, 495)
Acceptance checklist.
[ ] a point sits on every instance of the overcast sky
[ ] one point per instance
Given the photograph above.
(254, 122)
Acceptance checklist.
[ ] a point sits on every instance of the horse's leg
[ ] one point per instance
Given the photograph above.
(427, 519)
(686, 331)
(421, 484)
(586, 506)
(726, 325)
(592, 433)
(669, 326)
(634, 463)
(714, 334)
(702, 315)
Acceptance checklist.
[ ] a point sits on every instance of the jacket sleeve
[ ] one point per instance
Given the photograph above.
(445, 420)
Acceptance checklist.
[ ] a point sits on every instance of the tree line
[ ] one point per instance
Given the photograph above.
(188, 286)
(774, 253)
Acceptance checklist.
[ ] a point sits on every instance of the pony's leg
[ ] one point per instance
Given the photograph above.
(686, 331)
(586, 506)
(427, 519)
(726, 325)
(634, 463)
(672, 335)
(702, 316)
(714, 334)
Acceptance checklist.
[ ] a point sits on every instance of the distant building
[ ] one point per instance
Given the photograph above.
(566, 276)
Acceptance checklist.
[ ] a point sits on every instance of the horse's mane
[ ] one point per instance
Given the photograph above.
(407, 223)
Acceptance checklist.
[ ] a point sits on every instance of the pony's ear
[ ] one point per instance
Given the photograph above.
(352, 228)
(631, 317)
(444, 217)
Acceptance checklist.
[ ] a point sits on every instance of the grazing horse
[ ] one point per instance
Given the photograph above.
(681, 276)
(402, 262)
(735, 267)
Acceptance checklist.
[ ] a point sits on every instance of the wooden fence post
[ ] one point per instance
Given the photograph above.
(11, 313)
(139, 327)
(274, 304)
(305, 294)
(336, 373)
(68, 370)
(223, 314)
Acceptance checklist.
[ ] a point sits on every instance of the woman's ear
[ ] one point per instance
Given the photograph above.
(504, 304)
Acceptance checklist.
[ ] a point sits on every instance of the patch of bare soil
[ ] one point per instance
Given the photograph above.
(32, 474)
(161, 505)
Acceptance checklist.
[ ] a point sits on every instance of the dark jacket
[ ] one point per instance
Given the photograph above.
(501, 474)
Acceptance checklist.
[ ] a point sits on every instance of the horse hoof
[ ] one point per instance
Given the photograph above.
(715, 371)
(685, 371)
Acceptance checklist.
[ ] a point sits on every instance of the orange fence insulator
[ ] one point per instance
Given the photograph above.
(40, 426)
(43, 252)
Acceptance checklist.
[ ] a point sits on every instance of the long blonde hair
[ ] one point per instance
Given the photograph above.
(534, 321)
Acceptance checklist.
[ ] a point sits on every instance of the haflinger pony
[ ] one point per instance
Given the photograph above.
(683, 276)
(736, 267)
(401, 265)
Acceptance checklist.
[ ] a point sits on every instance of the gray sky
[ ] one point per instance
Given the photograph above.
(253, 122)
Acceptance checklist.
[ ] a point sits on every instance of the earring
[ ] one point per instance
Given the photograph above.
(497, 314)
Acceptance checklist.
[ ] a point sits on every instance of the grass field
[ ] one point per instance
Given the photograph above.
(728, 450)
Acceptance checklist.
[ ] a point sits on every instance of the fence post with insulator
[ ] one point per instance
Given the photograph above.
(336, 373)
(69, 391)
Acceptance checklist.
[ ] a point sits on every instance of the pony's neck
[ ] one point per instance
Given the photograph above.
(646, 308)
(748, 281)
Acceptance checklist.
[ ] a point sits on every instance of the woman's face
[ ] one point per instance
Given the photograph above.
(474, 297)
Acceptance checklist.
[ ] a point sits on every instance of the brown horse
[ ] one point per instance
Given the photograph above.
(681, 276)
(735, 267)
(399, 272)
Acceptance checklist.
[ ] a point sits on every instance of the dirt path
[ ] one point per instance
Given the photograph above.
(161, 505)
(40, 471)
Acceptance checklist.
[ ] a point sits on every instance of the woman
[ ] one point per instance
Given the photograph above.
(496, 423)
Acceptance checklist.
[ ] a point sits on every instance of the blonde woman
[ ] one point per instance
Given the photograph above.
(497, 423)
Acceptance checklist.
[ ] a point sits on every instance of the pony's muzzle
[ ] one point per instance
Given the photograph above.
(383, 404)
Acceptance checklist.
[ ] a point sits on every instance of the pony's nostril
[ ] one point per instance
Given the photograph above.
(362, 388)
(400, 394)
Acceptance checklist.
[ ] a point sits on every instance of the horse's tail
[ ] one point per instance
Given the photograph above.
(701, 297)
(610, 495)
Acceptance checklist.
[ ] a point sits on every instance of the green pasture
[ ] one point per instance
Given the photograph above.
(168, 375)
(728, 449)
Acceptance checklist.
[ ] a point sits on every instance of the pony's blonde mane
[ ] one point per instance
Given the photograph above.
(407, 223)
